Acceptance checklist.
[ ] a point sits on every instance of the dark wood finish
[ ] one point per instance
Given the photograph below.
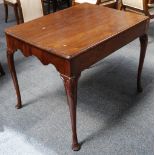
(143, 43)
(70, 84)
(15, 7)
(89, 34)
(14, 77)
(1, 70)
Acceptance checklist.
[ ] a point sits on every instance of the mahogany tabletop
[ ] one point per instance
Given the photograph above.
(72, 31)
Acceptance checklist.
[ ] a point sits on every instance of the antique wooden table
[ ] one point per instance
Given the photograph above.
(72, 40)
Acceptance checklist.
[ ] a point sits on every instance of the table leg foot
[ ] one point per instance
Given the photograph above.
(143, 43)
(76, 147)
(18, 106)
(70, 84)
(14, 78)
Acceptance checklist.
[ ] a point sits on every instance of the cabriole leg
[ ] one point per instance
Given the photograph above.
(10, 57)
(70, 84)
(143, 43)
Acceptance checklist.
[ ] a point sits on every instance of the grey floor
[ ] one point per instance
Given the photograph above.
(113, 119)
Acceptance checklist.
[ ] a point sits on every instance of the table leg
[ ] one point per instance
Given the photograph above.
(1, 70)
(70, 84)
(10, 57)
(143, 43)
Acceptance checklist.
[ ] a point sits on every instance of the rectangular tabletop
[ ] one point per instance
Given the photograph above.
(75, 30)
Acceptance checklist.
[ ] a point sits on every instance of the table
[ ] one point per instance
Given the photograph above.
(72, 40)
